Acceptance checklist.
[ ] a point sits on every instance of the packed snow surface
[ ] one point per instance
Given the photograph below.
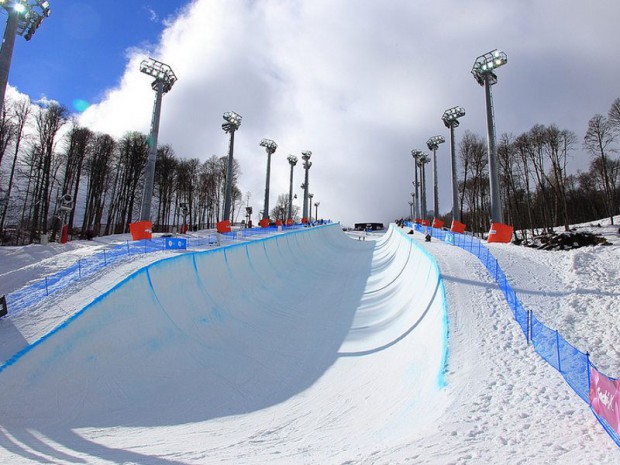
(307, 347)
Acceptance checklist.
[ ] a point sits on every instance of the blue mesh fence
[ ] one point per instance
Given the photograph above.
(27, 296)
(573, 364)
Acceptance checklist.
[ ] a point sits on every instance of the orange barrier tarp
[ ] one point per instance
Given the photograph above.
(224, 226)
(457, 227)
(437, 223)
(141, 230)
(501, 233)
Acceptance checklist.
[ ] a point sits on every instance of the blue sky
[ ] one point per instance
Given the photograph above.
(81, 49)
(360, 83)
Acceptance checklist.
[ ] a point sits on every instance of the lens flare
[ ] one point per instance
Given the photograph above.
(80, 104)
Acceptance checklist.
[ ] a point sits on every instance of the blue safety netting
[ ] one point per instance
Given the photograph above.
(27, 296)
(573, 364)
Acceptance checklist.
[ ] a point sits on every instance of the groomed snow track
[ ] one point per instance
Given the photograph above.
(250, 353)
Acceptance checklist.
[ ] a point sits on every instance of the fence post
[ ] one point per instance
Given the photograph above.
(47, 292)
(496, 273)
(128, 252)
(589, 377)
(529, 326)
(105, 260)
(79, 267)
(557, 346)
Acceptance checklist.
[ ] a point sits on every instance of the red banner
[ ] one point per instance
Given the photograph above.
(605, 398)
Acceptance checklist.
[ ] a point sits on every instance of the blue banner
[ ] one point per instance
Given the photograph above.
(176, 243)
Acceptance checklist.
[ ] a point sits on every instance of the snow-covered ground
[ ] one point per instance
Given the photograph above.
(501, 402)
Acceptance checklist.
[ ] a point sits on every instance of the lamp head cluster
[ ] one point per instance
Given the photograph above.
(434, 142)
(28, 18)
(451, 116)
(233, 121)
(485, 65)
(423, 159)
(416, 154)
(160, 71)
(269, 145)
(311, 196)
(292, 159)
(305, 156)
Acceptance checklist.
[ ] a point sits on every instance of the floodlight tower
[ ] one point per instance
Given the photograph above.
(410, 209)
(416, 154)
(316, 211)
(310, 197)
(233, 121)
(305, 156)
(164, 80)
(270, 147)
(433, 144)
(292, 160)
(483, 71)
(423, 159)
(451, 120)
(25, 17)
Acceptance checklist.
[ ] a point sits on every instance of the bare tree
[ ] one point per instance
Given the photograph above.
(48, 122)
(165, 178)
(79, 144)
(475, 202)
(98, 167)
(558, 144)
(21, 111)
(598, 141)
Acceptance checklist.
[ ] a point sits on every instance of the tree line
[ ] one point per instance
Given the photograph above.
(537, 192)
(45, 156)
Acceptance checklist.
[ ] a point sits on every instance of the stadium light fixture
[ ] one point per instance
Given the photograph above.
(164, 79)
(25, 17)
(305, 156)
(450, 119)
(310, 197)
(270, 147)
(433, 144)
(292, 160)
(416, 154)
(483, 71)
(233, 121)
(316, 211)
(422, 160)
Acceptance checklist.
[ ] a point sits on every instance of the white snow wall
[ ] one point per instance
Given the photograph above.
(234, 330)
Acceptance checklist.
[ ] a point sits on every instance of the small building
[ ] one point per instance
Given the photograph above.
(369, 226)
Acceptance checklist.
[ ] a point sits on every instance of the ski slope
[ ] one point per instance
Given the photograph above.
(307, 347)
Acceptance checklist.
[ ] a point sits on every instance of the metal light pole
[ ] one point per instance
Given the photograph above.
(433, 144)
(292, 160)
(305, 156)
(316, 211)
(270, 147)
(484, 75)
(164, 80)
(310, 197)
(451, 120)
(416, 154)
(24, 19)
(422, 161)
(233, 121)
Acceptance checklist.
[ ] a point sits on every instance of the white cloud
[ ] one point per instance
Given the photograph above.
(361, 83)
